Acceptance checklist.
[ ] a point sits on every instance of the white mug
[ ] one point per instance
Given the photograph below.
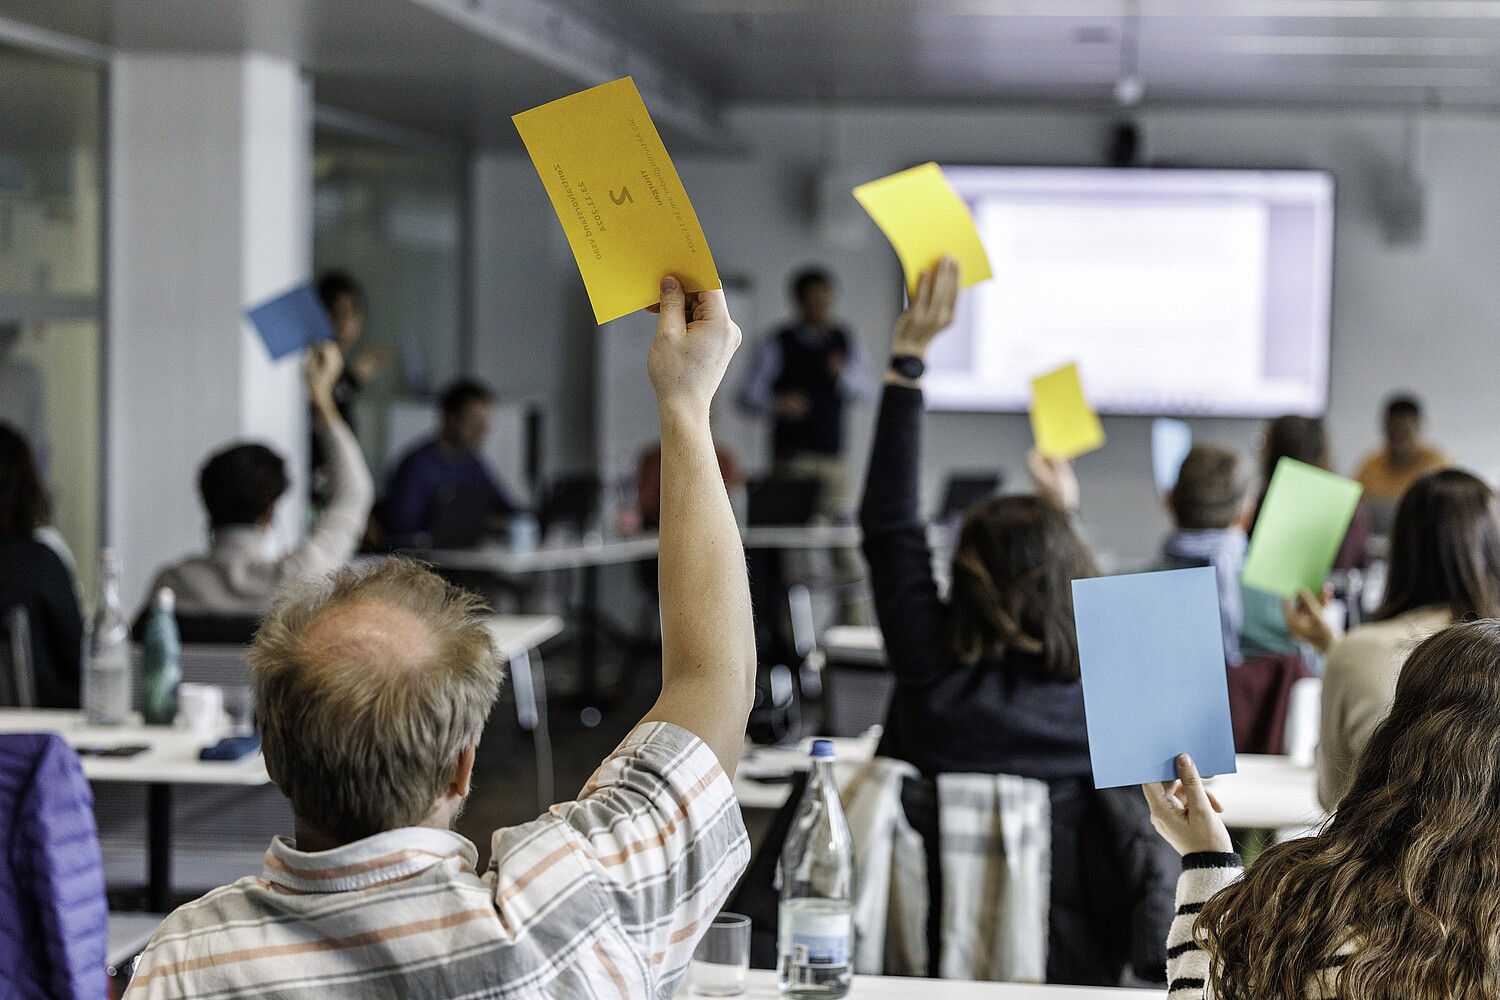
(200, 709)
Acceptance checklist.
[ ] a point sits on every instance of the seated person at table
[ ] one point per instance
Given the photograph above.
(426, 478)
(648, 481)
(1264, 631)
(987, 682)
(1387, 472)
(372, 689)
(34, 578)
(1396, 897)
(240, 487)
(1208, 510)
(1445, 567)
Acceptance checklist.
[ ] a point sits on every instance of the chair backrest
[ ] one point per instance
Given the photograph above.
(574, 500)
(1303, 720)
(781, 500)
(461, 515)
(964, 490)
(17, 670)
(1260, 692)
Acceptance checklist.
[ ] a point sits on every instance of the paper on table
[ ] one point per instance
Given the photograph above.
(1062, 422)
(924, 218)
(1302, 523)
(1154, 682)
(1171, 440)
(291, 321)
(618, 197)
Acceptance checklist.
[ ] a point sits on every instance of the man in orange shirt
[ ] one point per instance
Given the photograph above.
(1388, 471)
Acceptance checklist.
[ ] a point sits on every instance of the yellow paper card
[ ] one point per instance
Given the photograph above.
(618, 197)
(1062, 422)
(924, 218)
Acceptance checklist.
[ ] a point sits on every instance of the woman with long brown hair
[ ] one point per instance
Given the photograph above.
(1399, 896)
(1445, 567)
(987, 682)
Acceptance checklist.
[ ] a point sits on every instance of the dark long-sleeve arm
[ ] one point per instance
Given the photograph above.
(911, 614)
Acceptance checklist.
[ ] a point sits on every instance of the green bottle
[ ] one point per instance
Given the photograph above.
(161, 662)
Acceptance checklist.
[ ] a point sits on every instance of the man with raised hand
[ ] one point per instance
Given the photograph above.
(372, 688)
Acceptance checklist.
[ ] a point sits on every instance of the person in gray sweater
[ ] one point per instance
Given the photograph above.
(240, 486)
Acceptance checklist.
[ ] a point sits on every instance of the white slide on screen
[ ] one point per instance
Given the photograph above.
(1175, 291)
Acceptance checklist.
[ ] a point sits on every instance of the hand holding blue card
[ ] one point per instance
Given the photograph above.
(1154, 684)
(291, 322)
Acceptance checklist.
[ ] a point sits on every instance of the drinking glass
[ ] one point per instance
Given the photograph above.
(722, 958)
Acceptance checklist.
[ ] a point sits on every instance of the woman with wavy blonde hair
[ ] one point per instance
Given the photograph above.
(1399, 896)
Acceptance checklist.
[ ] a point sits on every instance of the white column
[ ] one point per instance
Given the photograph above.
(210, 180)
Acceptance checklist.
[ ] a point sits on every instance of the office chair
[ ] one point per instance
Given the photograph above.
(17, 677)
(572, 500)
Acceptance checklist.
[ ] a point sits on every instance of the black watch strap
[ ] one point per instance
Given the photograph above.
(908, 366)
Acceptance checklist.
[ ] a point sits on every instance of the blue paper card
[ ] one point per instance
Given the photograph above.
(1154, 682)
(1171, 440)
(291, 322)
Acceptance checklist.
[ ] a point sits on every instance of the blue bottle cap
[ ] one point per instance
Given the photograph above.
(822, 750)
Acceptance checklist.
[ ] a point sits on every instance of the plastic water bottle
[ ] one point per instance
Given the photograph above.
(816, 918)
(161, 662)
(106, 672)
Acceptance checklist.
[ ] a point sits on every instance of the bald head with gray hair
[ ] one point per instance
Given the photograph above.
(370, 685)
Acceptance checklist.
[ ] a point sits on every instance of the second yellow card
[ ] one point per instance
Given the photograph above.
(924, 218)
(620, 201)
(1062, 422)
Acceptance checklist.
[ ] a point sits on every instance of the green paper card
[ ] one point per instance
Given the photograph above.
(1301, 526)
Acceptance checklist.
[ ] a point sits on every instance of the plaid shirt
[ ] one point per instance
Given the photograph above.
(602, 897)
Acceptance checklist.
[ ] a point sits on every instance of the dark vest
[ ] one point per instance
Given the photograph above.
(804, 369)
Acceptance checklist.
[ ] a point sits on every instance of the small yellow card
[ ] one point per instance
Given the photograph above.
(1062, 422)
(618, 197)
(924, 218)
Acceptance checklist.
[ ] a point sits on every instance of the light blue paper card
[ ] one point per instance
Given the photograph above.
(1171, 440)
(291, 322)
(1154, 682)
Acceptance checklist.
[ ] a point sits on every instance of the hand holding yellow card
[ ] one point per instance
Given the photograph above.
(1062, 422)
(618, 197)
(924, 218)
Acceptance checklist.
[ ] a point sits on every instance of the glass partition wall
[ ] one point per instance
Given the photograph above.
(392, 218)
(51, 225)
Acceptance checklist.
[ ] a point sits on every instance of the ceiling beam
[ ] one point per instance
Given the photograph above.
(578, 47)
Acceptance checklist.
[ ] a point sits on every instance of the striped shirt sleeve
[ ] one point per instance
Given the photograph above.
(659, 831)
(1187, 964)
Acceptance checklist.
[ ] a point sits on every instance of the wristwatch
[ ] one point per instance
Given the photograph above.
(908, 366)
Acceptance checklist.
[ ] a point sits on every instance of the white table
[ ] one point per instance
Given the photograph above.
(851, 753)
(862, 645)
(583, 554)
(760, 984)
(517, 637)
(172, 759)
(1267, 792)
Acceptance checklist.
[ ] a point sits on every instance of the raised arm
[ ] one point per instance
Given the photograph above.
(336, 535)
(708, 638)
(895, 536)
